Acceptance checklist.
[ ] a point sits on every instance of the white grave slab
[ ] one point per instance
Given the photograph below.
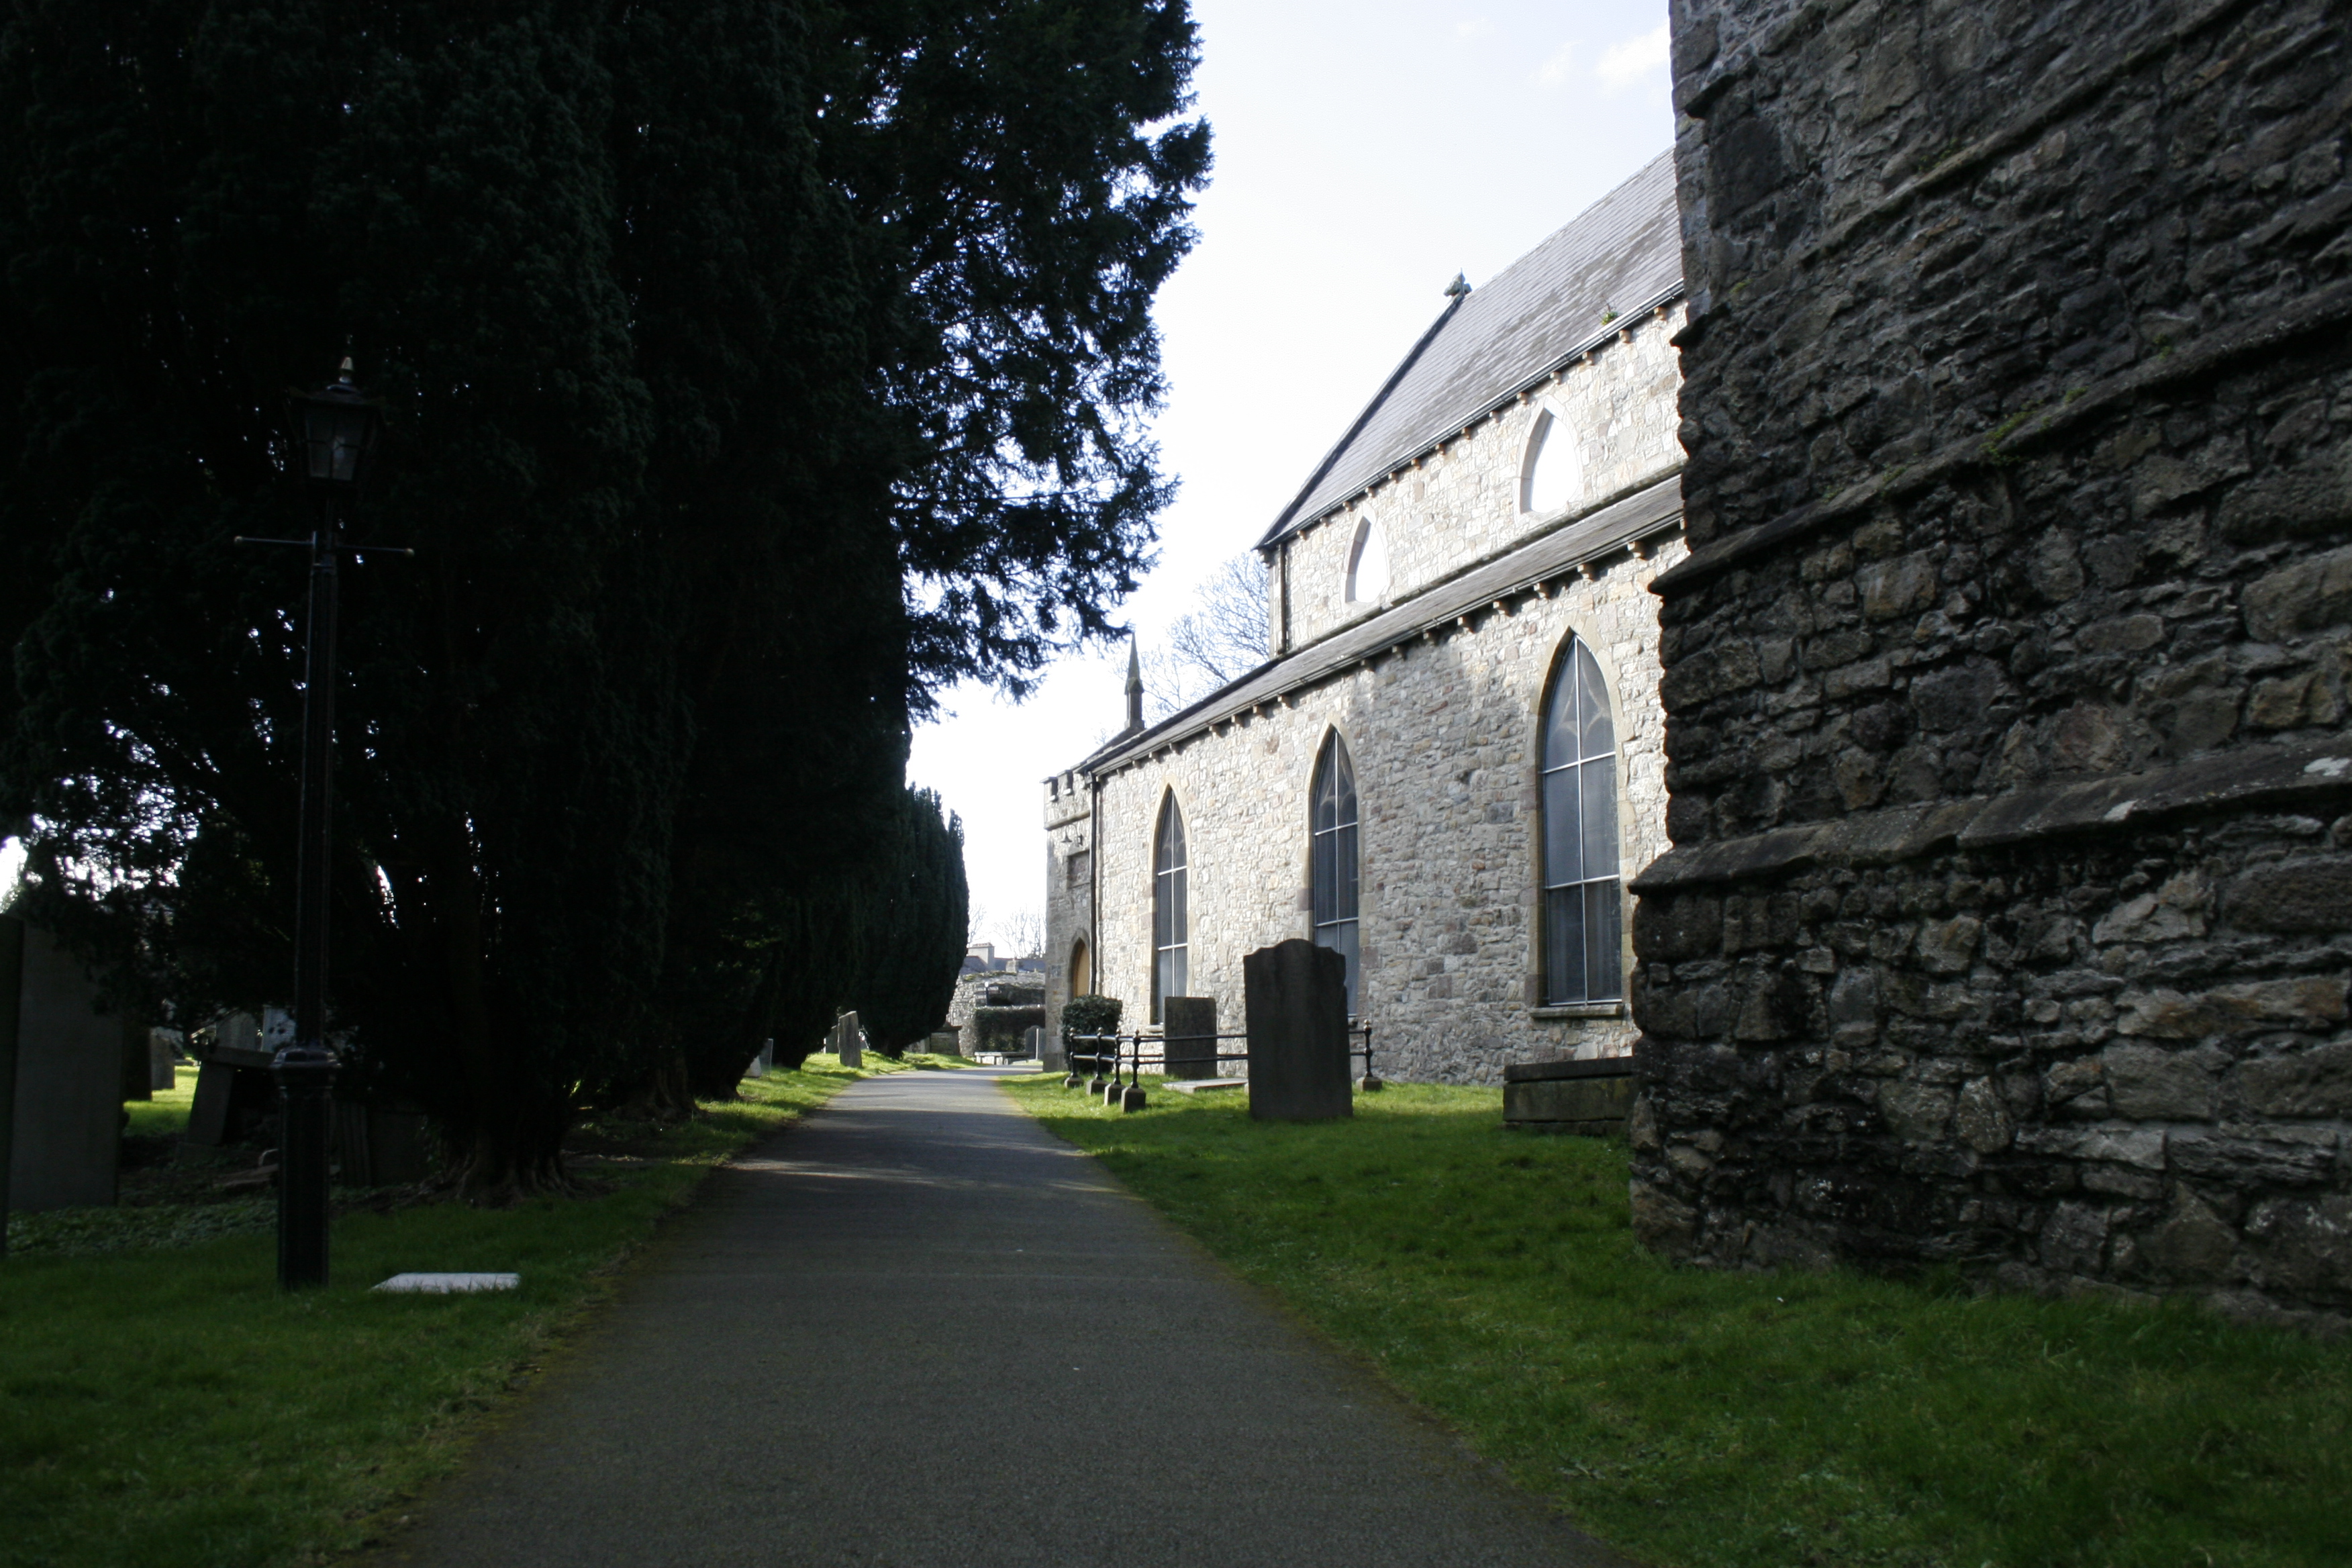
(449, 1284)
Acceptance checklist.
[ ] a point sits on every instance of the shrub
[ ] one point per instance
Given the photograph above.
(1091, 1016)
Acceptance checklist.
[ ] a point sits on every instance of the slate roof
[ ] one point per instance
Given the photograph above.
(1597, 534)
(1624, 252)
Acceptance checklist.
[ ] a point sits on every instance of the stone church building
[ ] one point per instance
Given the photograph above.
(1452, 764)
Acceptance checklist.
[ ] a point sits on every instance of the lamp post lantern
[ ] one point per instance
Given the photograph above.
(336, 430)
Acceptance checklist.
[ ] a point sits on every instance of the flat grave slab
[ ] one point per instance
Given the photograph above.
(1203, 1085)
(448, 1284)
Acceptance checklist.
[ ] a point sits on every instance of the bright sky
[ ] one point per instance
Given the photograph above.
(1364, 155)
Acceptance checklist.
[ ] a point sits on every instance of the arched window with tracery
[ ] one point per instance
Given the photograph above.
(1334, 857)
(1170, 922)
(1583, 900)
(1368, 565)
(1549, 471)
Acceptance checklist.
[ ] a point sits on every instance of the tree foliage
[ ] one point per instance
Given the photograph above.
(912, 944)
(749, 370)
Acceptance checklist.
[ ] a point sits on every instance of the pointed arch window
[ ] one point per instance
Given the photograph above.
(1368, 565)
(1334, 857)
(1550, 471)
(1583, 900)
(1170, 922)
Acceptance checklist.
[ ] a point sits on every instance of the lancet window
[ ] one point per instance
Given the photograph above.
(1170, 922)
(1583, 899)
(1334, 858)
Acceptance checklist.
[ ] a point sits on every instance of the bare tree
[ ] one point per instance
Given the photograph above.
(975, 921)
(1222, 638)
(1224, 635)
(1023, 931)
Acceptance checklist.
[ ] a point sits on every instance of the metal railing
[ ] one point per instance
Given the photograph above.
(1116, 1054)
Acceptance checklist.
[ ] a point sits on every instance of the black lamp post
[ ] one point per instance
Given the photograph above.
(337, 430)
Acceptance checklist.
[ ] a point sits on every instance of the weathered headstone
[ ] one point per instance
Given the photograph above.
(943, 1043)
(138, 1058)
(66, 1114)
(1294, 1000)
(233, 1085)
(1594, 1096)
(849, 1041)
(163, 1059)
(1189, 1029)
(763, 1061)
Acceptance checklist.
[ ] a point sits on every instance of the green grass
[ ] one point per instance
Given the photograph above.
(1715, 1420)
(169, 1408)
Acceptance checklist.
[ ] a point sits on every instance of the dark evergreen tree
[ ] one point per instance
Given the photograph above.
(913, 943)
(732, 404)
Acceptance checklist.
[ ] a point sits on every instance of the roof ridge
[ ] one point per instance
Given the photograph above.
(1379, 398)
(1528, 319)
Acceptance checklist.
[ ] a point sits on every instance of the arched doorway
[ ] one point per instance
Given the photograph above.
(1082, 972)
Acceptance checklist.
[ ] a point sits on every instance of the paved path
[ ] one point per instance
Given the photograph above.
(859, 1347)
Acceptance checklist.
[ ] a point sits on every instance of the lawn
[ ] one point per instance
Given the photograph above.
(1711, 1420)
(161, 1405)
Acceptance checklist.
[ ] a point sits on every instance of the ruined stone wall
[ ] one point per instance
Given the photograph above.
(1614, 409)
(2009, 919)
(1443, 734)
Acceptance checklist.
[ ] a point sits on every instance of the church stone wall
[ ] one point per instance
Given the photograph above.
(1442, 733)
(1069, 889)
(2009, 919)
(1461, 503)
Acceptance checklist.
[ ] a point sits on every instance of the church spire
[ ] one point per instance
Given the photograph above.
(1134, 687)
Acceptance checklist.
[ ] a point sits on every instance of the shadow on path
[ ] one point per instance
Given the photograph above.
(918, 1329)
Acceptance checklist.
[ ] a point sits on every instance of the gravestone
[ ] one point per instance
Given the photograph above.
(138, 1048)
(763, 1061)
(848, 1041)
(943, 1043)
(1188, 1032)
(235, 1096)
(66, 1115)
(1294, 1001)
(163, 1059)
(1594, 1096)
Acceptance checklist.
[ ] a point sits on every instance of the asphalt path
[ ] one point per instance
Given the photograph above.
(917, 1329)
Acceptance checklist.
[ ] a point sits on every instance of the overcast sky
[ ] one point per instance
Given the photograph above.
(1364, 155)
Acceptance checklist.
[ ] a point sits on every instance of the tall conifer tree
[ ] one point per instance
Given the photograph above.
(749, 368)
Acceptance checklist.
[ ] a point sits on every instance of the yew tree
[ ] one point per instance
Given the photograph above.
(750, 370)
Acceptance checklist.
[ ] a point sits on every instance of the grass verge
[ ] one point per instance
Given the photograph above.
(1710, 1420)
(162, 1405)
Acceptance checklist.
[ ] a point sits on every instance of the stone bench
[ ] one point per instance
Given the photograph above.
(1592, 1097)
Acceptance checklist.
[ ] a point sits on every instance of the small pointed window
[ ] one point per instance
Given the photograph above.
(1333, 871)
(1368, 565)
(1170, 922)
(1548, 473)
(1584, 901)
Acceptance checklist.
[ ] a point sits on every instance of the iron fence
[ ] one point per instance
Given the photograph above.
(1116, 1054)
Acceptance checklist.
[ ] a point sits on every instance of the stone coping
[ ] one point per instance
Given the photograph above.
(1587, 1066)
(2248, 775)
